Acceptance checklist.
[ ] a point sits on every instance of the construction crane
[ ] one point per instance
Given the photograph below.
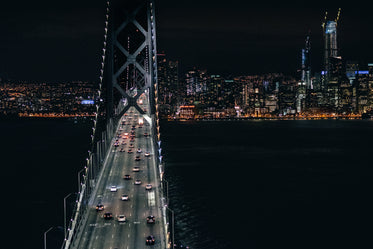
(324, 22)
(337, 19)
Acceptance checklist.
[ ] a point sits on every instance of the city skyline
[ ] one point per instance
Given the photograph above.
(55, 42)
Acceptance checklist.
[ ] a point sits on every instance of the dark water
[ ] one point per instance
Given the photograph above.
(40, 159)
(255, 184)
(271, 184)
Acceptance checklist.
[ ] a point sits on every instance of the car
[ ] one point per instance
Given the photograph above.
(129, 151)
(137, 158)
(108, 216)
(150, 219)
(132, 140)
(146, 134)
(100, 207)
(124, 198)
(131, 146)
(137, 182)
(135, 169)
(121, 150)
(121, 218)
(150, 240)
(147, 153)
(127, 177)
(148, 187)
(113, 189)
(139, 150)
(116, 144)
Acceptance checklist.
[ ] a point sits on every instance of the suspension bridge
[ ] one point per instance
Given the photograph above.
(120, 201)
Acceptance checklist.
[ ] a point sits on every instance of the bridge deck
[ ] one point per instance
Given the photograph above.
(98, 232)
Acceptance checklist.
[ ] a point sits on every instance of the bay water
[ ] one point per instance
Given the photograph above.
(247, 184)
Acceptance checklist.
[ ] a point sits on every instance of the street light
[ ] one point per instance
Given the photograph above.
(79, 183)
(45, 237)
(166, 190)
(173, 223)
(64, 214)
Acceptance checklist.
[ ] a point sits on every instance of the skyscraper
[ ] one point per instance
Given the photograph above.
(332, 62)
(306, 63)
(168, 80)
(305, 83)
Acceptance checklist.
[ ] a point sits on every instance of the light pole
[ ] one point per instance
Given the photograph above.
(173, 229)
(79, 183)
(64, 214)
(166, 189)
(45, 237)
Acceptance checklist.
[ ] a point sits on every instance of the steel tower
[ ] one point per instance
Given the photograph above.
(131, 61)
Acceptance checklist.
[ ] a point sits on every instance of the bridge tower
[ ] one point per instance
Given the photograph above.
(131, 59)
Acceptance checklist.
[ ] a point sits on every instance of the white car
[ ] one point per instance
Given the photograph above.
(121, 218)
(113, 189)
(139, 150)
(135, 169)
(124, 198)
(148, 187)
(147, 153)
(137, 182)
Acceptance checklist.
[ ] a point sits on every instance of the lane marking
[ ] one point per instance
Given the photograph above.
(151, 198)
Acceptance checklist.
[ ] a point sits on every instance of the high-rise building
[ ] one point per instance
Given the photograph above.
(305, 83)
(306, 63)
(168, 84)
(331, 79)
(196, 89)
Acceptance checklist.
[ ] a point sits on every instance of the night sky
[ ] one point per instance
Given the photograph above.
(62, 40)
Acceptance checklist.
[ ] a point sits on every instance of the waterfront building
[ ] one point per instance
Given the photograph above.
(196, 89)
(332, 64)
(170, 92)
(361, 92)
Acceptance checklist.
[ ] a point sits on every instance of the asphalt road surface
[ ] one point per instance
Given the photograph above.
(99, 232)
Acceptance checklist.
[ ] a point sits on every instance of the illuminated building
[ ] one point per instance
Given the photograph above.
(168, 84)
(305, 82)
(361, 92)
(332, 63)
(187, 112)
(196, 88)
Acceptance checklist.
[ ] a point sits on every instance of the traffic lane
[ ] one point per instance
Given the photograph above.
(142, 202)
(150, 207)
(102, 232)
(111, 235)
(136, 214)
(141, 229)
(92, 219)
(106, 197)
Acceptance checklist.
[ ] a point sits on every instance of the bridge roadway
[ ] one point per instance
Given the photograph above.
(100, 233)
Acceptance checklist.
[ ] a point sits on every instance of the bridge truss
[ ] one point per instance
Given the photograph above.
(128, 71)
